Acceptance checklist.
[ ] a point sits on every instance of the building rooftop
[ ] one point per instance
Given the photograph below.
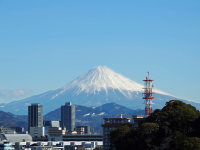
(117, 118)
(35, 104)
(16, 137)
(138, 116)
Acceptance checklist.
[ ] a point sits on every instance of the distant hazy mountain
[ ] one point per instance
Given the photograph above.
(93, 116)
(11, 120)
(98, 86)
(106, 110)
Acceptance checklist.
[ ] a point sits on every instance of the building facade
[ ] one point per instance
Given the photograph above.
(83, 129)
(94, 138)
(49, 123)
(37, 131)
(80, 130)
(6, 146)
(55, 133)
(109, 125)
(68, 116)
(35, 117)
(138, 119)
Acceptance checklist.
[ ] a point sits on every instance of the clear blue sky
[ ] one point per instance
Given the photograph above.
(46, 44)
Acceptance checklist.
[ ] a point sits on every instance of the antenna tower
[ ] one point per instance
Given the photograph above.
(148, 95)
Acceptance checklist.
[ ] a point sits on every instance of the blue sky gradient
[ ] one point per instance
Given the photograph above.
(46, 44)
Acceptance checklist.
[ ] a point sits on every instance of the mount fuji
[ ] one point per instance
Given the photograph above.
(98, 86)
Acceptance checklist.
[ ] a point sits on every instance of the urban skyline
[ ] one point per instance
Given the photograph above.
(130, 69)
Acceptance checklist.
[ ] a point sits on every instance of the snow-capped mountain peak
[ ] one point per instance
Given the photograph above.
(98, 86)
(103, 78)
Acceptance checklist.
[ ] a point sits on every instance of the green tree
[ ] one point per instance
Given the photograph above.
(174, 127)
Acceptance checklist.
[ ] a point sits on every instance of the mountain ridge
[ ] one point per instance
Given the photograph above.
(93, 116)
(96, 87)
(103, 78)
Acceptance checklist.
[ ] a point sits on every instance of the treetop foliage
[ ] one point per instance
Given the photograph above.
(173, 127)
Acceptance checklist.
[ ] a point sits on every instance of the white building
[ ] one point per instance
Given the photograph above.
(16, 137)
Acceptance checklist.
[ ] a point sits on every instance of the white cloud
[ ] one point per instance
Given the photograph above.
(10, 95)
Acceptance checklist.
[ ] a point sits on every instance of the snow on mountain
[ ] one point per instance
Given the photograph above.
(102, 113)
(86, 115)
(98, 86)
(94, 116)
(103, 78)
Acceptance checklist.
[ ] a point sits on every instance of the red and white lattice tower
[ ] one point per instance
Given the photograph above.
(148, 95)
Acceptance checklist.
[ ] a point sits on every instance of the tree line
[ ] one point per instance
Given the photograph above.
(175, 127)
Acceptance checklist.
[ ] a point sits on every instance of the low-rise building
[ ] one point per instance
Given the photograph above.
(19, 130)
(16, 137)
(83, 129)
(48, 124)
(6, 146)
(109, 125)
(138, 119)
(80, 130)
(93, 138)
(58, 145)
(37, 131)
(55, 133)
(4, 130)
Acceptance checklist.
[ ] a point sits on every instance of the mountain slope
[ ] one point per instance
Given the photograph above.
(10, 120)
(101, 79)
(98, 86)
(94, 116)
